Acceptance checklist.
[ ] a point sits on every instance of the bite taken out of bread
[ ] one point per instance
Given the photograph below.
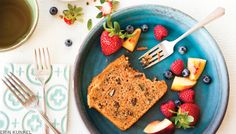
(122, 94)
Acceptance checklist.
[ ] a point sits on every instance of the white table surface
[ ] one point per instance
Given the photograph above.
(52, 32)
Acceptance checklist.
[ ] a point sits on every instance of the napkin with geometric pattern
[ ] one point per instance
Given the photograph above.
(13, 116)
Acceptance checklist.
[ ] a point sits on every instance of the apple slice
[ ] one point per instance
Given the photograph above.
(181, 83)
(131, 42)
(157, 127)
(195, 66)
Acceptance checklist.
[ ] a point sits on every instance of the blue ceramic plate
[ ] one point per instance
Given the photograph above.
(212, 98)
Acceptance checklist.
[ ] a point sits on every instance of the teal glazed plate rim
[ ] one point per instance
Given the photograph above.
(212, 98)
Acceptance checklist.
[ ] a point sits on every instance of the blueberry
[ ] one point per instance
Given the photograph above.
(168, 74)
(68, 42)
(185, 72)
(206, 79)
(53, 10)
(178, 103)
(129, 29)
(144, 28)
(182, 49)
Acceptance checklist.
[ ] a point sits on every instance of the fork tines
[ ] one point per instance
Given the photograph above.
(18, 88)
(42, 58)
(154, 55)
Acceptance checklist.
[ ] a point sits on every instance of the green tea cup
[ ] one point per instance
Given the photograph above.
(18, 21)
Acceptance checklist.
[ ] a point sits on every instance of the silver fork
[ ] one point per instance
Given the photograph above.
(43, 71)
(26, 97)
(166, 48)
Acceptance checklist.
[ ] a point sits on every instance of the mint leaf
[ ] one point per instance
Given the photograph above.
(99, 15)
(89, 24)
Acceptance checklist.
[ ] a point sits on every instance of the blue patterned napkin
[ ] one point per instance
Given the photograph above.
(13, 117)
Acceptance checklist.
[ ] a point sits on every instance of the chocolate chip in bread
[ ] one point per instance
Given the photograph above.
(122, 94)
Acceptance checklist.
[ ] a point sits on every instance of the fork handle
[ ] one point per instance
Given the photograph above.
(44, 107)
(218, 12)
(48, 123)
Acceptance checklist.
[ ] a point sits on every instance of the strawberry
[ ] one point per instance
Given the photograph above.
(187, 95)
(110, 44)
(72, 14)
(168, 108)
(106, 8)
(177, 67)
(112, 38)
(160, 32)
(67, 21)
(187, 115)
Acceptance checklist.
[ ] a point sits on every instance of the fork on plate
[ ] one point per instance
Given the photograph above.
(166, 48)
(43, 71)
(26, 97)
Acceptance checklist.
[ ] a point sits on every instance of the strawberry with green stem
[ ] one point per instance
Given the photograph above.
(107, 7)
(187, 115)
(112, 37)
(72, 14)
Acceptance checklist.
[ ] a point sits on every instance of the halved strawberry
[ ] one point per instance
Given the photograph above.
(106, 8)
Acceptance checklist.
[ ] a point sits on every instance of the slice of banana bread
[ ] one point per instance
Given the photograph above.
(123, 94)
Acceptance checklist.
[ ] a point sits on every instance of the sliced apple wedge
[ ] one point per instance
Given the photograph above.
(157, 127)
(195, 66)
(131, 42)
(181, 83)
